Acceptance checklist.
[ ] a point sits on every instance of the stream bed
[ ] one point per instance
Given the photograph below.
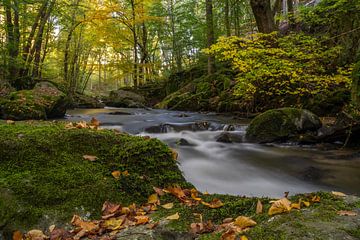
(237, 168)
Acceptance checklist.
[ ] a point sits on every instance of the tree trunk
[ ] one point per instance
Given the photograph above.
(355, 88)
(227, 18)
(210, 35)
(135, 45)
(264, 16)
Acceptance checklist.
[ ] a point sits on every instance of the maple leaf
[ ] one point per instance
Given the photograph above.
(109, 208)
(114, 224)
(142, 220)
(86, 226)
(244, 222)
(280, 206)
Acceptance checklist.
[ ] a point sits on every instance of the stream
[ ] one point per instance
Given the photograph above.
(237, 168)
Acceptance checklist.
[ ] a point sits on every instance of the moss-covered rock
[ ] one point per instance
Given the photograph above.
(45, 179)
(85, 101)
(126, 99)
(39, 103)
(281, 124)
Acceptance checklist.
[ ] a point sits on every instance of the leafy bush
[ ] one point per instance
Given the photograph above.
(276, 71)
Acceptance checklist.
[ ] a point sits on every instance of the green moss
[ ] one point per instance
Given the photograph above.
(45, 177)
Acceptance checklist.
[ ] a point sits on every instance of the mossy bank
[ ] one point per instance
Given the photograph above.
(44, 178)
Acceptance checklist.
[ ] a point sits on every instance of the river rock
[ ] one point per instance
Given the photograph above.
(85, 101)
(125, 99)
(282, 125)
(227, 137)
(38, 103)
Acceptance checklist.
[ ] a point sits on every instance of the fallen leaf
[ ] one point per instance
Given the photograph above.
(200, 228)
(347, 213)
(154, 199)
(280, 206)
(90, 158)
(174, 154)
(94, 122)
(36, 235)
(306, 203)
(206, 193)
(114, 224)
(51, 228)
(159, 191)
(17, 235)
(338, 194)
(10, 122)
(69, 125)
(168, 205)
(315, 199)
(177, 192)
(142, 220)
(215, 203)
(59, 234)
(295, 206)
(244, 222)
(194, 194)
(110, 208)
(86, 226)
(125, 173)
(152, 225)
(228, 235)
(81, 125)
(228, 220)
(116, 174)
(176, 216)
(243, 237)
(259, 207)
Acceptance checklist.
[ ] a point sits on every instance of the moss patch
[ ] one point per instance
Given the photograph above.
(44, 177)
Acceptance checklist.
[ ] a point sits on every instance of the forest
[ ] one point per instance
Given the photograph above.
(179, 119)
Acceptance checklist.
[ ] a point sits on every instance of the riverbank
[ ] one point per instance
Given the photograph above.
(51, 171)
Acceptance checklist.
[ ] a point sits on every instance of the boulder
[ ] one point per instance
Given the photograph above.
(84, 101)
(125, 99)
(38, 103)
(282, 125)
(227, 137)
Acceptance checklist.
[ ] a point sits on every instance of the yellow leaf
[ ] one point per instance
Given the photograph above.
(154, 199)
(194, 194)
(315, 199)
(17, 235)
(86, 226)
(174, 154)
(307, 204)
(216, 203)
(338, 194)
(114, 224)
(244, 222)
(280, 206)
(36, 234)
(125, 173)
(90, 158)
(259, 207)
(168, 205)
(176, 216)
(116, 174)
(142, 220)
(243, 238)
(295, 206)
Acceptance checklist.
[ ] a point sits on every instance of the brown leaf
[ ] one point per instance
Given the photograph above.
(280, 206)
(228, 220)
(10, 122)
(174, 154)
(17, 235)
(338, 194)
(90, 158)
(244, 222)
(168, 205)
(94, 122)
(199, 228)
(159, 191)
(194, 195)
(347, 213)
(110, 208)
(177, 192)
(315, 199)
(152, 225)
(36, 235)
(228, 235)
(259, 207)
(142, 220)
(87, 226)
(176, 216)
(51, 228)
(59, 234)
(69, 125)
(81, 125)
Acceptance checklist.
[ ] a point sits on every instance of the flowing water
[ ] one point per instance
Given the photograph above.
(238, 168)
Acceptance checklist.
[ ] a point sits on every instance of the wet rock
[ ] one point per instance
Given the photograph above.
(182, 115)
(119, 113)
(84, 101)
(38, 103)
(312, 174)
(125, 99)
(227, 137)
(183, 142)
(281, 125)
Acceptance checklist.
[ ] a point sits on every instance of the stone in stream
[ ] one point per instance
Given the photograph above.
(282, 124)
(227, 137)
(126, 99)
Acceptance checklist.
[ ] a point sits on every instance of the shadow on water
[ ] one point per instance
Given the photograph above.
(234, 168)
